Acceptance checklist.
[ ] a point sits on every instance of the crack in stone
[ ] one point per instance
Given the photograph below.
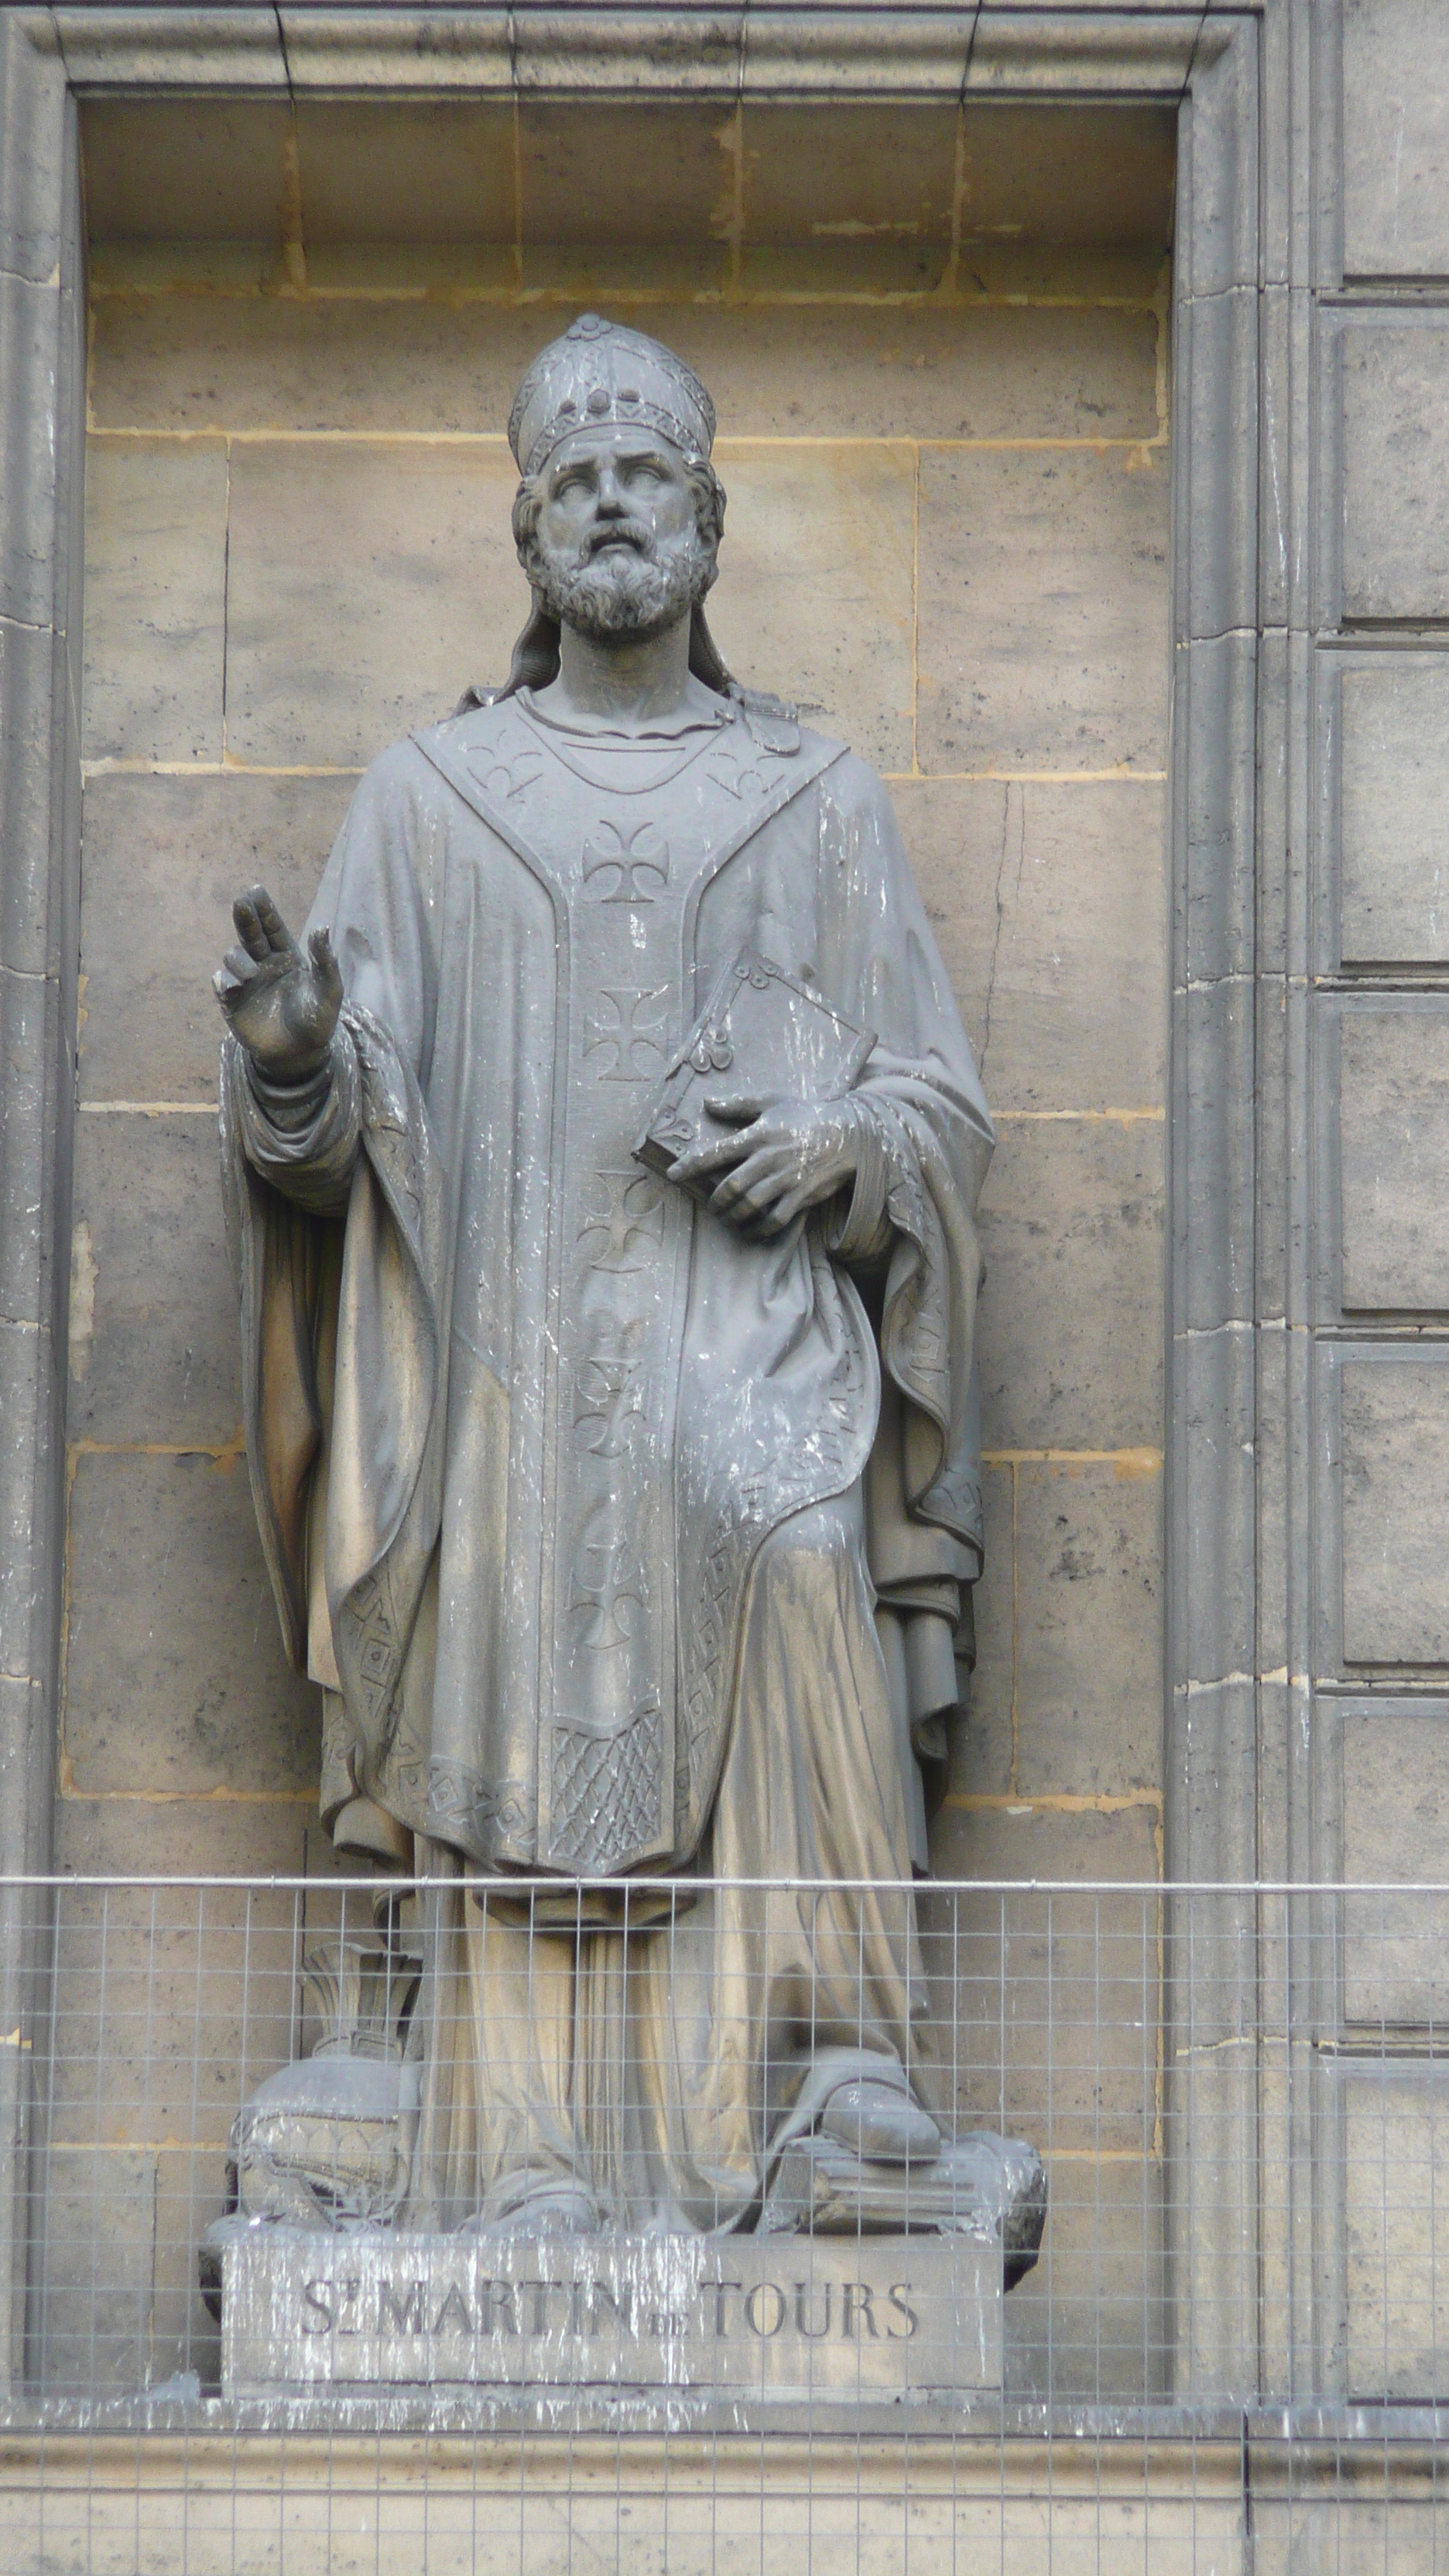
(1001, 867)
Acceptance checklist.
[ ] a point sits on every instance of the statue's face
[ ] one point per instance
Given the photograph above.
(616, 549)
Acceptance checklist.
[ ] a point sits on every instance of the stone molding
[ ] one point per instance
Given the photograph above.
(1201, 59)
(1076, 53)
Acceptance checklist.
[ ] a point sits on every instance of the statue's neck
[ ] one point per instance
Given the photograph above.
(627, 683)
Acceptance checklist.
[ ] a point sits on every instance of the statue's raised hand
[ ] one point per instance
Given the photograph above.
(280, 1003)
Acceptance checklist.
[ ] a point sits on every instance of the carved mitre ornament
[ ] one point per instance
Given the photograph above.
(602, 371)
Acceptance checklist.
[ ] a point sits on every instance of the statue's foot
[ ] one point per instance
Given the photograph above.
(554, 2209)
(880, 2124)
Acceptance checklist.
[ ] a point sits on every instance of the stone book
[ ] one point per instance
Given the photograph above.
(761, 1034)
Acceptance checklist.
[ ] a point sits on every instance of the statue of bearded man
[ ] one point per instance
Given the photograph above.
(627, 1520)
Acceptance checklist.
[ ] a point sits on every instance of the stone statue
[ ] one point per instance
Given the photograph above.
(627, 1519)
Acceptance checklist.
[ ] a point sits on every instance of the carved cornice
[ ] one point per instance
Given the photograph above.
(796, 52)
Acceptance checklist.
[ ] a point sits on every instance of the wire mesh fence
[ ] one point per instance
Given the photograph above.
(285, 2306)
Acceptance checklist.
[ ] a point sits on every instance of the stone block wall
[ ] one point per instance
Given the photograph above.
(945, 441)
(1368, 615)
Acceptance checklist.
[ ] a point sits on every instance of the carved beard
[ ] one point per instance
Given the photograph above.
(625, 591)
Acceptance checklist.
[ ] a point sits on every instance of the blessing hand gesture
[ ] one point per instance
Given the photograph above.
(281, 1004)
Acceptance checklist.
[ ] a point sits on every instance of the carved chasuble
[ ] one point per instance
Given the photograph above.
(624, 836)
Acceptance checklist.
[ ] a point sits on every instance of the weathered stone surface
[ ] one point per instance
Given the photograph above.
(1216, 678)
(1214, 1068)
(1395, 2178)
(1395, 1794)
(94, 2301)
(156, 523)
(128, 1837)
(350, 568)
(171, 2004)
(986, 371)
(190, 2193)
(360, 163)
(30, 338)
(241, 48)
(1054, 1994)
(884, 176)
(34, 1140)
(340, 54)
(1395, 379)
(27, 1764)
(1216, 583)
(1393, 1126)
(1091, 2321)
(1049, 906)
(626, 174)
(180, 169)
(837, 637)
(1321, 2531)
(1112, 185)
(164, 860)
(39, 803)
(1213, 1731)
(1212, 2096)
(1395, 1469)
(983, 1747)
(1067, 1695)
(1394, 767)
(42, 341)
(176, 1678)
(1043, 612)
(952, 834)
(38, 193)
(1070, 1337)
(514, 2505)
(785, 2317)
(153, 1342)
(1089, 1627)
(367, 586)
(1395, 158)
(1036, 1840)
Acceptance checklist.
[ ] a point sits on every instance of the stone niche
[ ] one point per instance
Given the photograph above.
(938, 343)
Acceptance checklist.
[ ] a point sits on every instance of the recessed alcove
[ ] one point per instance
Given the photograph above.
(938, 343)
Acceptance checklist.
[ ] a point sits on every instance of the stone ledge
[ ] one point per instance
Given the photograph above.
(540, 2507)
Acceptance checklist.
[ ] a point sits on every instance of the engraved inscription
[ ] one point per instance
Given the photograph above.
(786, 2314)
(591, 2308)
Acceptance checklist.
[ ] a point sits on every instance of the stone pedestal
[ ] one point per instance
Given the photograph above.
(782, 2318)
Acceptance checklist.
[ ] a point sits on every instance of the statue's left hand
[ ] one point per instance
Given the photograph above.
(784, 1155)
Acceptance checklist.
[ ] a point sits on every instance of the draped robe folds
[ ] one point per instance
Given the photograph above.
(527, 1426)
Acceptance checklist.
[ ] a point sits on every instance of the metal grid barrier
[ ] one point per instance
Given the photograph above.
(1232, 2351)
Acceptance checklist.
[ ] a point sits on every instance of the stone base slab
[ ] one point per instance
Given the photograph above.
(787, 2319)
(224, 2505)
